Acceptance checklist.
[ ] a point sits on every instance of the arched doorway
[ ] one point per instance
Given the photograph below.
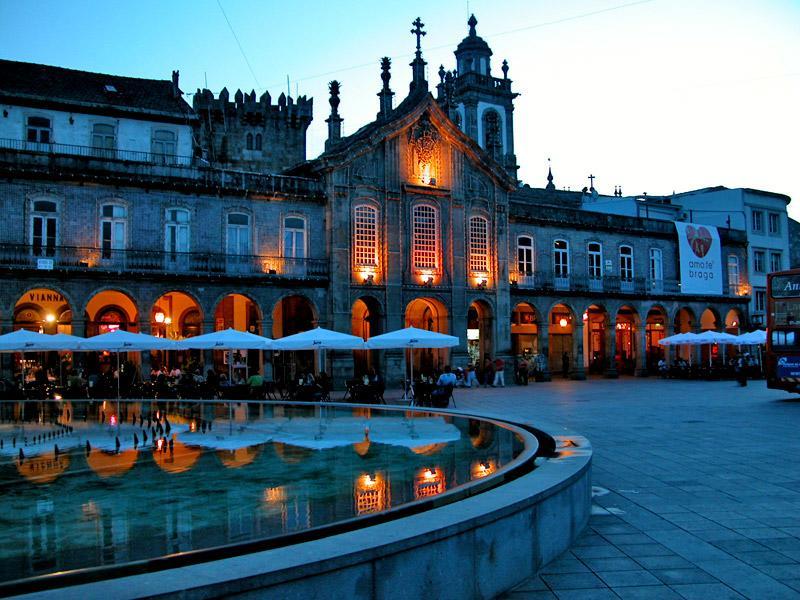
(479, 332)
(290, 315)
(365, 323)
(176, 316)
(595, 325)
(107, 311)
(709, 321)
(655, 331)
(45, 311)
(627, 349)
(430, 314)
(684, 323)
(562, 357)
(524, 331)
(733, 322)
(237, 311)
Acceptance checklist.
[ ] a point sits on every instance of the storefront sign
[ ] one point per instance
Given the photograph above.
(786, 286)
(789, 366)
(701, 259)
(44, 264)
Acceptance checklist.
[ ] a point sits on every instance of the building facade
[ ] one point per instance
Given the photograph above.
(415, 219)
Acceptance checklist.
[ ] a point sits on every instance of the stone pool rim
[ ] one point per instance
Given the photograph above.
(519, 466)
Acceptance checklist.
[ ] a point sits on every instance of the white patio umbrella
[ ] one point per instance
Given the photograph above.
(712, 337)
(319, 339)
(753, 338)
(124, 341)
(411, 338)
(22, 340)
(678, 339)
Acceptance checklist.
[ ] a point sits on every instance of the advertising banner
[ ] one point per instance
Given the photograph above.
(789, 366)
(700, 254)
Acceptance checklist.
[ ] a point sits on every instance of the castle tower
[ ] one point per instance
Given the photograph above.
(252, 134)
(482, 105)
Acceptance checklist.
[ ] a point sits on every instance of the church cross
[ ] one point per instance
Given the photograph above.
(417, 31)
(591, 181)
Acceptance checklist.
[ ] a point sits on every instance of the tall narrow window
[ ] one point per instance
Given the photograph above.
(425, 237)
(775, 262)
(238, 234)
(774, 223)
(113, 228)
(759, 261)
(365, 236)
(164, 145)
(103, 139)
(294, 237)
(656, 265)
(561, 258)
(758, 221)
(525, 255)
(249, 142)
(595, 253)
(44, 225)
(258, 141)
(478, 244)
(733, 273)
(492, 135)
(177, 231)
(626, 263)
(39, 130)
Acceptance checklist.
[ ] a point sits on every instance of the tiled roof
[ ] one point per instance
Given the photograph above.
(43, 83)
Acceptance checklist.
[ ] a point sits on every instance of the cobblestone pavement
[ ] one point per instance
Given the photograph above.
(698, 487)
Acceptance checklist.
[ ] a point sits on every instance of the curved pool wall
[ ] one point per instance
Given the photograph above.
(477, 547)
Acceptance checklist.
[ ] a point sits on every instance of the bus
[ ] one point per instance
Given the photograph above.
(783, 330)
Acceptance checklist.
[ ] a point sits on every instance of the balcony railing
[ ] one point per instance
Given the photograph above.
(73, 258)
(544, 281)
(135, 163)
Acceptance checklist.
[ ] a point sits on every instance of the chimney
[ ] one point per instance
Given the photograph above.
(176, 90)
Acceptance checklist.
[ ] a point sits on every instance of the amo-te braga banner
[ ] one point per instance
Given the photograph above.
(701, 259)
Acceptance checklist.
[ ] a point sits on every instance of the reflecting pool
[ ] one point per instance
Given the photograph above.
(91, 484)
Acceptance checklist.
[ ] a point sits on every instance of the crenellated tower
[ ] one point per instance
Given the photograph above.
(252, 134)
(480, 104)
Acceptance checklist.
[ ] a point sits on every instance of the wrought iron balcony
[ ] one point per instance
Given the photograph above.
(208, 264)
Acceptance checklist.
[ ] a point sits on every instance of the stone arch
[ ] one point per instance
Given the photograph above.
(656, 325)
(734, 322)
(710, 319)
(525, 319)
(561, 320)
(597, 319)
(431, 313)
(627, 342)
(105, 300)
(14, 300)
(366, 321)
(480, 328)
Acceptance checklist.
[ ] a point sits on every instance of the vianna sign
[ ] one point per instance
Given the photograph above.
(701, 259)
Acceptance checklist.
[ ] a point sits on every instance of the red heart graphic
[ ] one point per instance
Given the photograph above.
(699, 239)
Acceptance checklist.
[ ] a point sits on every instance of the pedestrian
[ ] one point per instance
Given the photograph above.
(741, 370)
(488, 372)
(472, 378)
(499, 373)
(565, 365)
(522, 371)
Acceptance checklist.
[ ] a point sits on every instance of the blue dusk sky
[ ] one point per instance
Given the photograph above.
(653, 95)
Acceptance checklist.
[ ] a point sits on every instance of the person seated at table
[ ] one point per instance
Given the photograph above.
(256, 384)
(308, 379)
(374, 377)
(446, 378)
(175, 372)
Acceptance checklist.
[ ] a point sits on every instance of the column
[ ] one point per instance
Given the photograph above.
(697, 351)
(641, 351)
(611, 347)
(265, 329)
(544, 349)
(6, 358)
(578, 371)
(208, 355)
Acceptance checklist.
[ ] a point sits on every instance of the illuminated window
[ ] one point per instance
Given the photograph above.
(595, 254)
(656, 265)
(365, 236)
(626, 263)
(525, 255)
(561, 258)
(478, 244)
(425, 237)
(113, 228)
(294, 237)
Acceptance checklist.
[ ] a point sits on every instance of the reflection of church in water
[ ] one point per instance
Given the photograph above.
(177, 220)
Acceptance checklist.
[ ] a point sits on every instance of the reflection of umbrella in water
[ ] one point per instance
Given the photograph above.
(44, 468)
(428, 449)
(291, 454)
(178, 460)
(111, 464)
(239, 457)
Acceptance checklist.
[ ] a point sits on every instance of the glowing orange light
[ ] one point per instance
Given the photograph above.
(563, 322)
(159, 316)
(429, 474)
(160, 443)
(113, 420)
(425, 176)
(50, 318)
(585, 316)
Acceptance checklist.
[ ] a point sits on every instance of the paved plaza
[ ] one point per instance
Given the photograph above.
(698, 487)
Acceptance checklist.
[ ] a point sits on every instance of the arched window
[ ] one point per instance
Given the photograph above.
(626, 263)
(258, 141)
(113, 228)
(104, 139)
(44, 227)
(492, 135)
(561, 258)
(478, 244)
(294, 237)
(365, 236)
(525, 255)
(164, 145)
(249, 141)
(425, 237)
(176, 236)
(733, 273)
(595, 263)
(238, 234)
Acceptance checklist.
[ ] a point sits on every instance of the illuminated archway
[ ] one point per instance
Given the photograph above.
(365, 323)
(43, 310)
(595, 327)
(655, 330)
(176, 316)
(237, 311)
(479, 331)
(710, 321)
(524, 331)
(290, 315)
(562, 357)
(109, 310)
(733, 322)
(684, 323)
(626, 329)
(429, 314)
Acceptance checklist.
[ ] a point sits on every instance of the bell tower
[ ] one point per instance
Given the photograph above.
(480, 104)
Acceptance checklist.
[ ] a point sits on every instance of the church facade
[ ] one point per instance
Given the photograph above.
(130, 209)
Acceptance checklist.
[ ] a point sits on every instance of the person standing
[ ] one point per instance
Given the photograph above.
(522, 371)
(488, 372)
(499, 373)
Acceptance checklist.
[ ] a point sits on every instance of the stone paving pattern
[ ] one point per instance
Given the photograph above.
(703, 483)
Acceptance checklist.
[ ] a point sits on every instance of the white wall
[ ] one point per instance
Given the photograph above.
(132, 134)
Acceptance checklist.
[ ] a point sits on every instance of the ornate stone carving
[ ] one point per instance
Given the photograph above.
(424, 151)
